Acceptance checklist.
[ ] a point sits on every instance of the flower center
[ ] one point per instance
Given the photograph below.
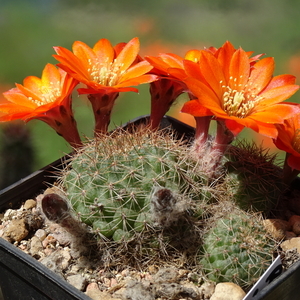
(105, 73)
(239, 103)
(47, 94)
(296, 140)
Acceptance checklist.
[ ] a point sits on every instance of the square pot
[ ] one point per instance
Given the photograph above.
(22, 277)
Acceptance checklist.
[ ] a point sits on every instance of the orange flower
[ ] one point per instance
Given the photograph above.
(47, 99)
(106, 70)
(288, 140)
(170, 69)
(239, 90)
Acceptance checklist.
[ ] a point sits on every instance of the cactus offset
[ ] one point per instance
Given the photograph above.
(119, 184)
(253, 179)
(236, 248)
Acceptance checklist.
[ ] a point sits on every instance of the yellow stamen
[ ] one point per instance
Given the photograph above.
(105, 73)
(239, 103)
(48, 94)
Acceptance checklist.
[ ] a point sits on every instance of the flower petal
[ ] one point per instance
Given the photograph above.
(137, 70)
(128, 54)
(234, 126)
(15, 96)
(224, 55)
(194, 108)
(276, 113)
(205, 96)
(277, 94)
(147, 78)
(51, 77)
(192, 70)
(261, 74)
(71, 63)
(172, 60)
(85, 54)
(12, 109)
(269, 130)
(212, 72)
(104, 51)
(31, 86)
(239, 70)
(280, 80)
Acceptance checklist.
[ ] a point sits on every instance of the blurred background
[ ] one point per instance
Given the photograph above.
(30, 28)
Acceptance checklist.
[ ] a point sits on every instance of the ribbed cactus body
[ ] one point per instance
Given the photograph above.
(120, 184)
(236, 249)
(253, 179)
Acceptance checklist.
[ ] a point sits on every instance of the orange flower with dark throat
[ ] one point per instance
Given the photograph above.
(106, 70)
(239, 91)
(47, 99)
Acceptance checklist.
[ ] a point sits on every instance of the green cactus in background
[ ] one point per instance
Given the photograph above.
(122, 183)
(253, 179)
(17, 155)
(236, 248)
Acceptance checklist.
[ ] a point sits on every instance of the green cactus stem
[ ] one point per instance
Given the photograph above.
(253, 179)
(236, 248)
(122, 183)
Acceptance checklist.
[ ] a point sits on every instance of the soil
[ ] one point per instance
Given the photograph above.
(54, 246)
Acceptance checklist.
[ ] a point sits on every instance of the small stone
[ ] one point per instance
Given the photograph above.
(289, 258)
(290, 244)
(294, 221)
(48, 241)
(106, 282)
(228, 290)
(41, 234)
(9, 213)
(29, 204)
(176, 291)
(277, 228)
(113, 282)
(62, 236)
(207, 289)
(36, 247)
(166, 275)
(125, 272)
(290, 234)
(152, 269)
(48, 251)
(136, 290)
(16, 230)
(94, 293)
(77, 281)
(57, 261)
(53, 190)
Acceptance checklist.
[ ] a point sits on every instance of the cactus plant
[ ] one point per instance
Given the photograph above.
(17, 153)
(253, 179)
(236, 247)
(122, 183)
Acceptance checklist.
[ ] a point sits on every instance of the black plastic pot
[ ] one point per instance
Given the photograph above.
(24, 278)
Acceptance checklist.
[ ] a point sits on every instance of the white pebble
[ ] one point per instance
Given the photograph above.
(41, 234)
